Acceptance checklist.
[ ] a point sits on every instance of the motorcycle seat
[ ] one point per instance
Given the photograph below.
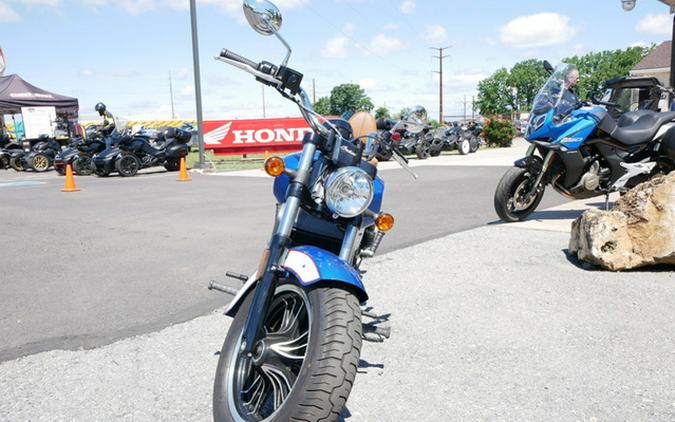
(642, 129)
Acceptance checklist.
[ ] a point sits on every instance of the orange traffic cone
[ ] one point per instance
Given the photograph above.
(70, 180)
(183, 177)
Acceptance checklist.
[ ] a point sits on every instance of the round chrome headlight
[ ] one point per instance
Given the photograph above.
(349, 191)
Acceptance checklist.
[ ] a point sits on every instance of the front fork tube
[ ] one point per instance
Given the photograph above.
(281, 240)
(548, 160)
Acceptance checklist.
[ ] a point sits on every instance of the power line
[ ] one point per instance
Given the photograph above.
(440, 58)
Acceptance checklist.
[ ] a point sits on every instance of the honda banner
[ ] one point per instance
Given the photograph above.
(254, 136)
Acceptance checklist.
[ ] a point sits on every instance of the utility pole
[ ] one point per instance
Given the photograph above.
(473, 108)
(465, 108)
(313, 91)
(198, 82)
(173, 111)
(263, 99)
(440, 58)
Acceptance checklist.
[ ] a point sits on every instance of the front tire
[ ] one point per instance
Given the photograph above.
(128, 165)
(83, 165)
(423, 150)
(475, 144)
(322, 379)
(464, 146)
(511, 201)
(40, 162)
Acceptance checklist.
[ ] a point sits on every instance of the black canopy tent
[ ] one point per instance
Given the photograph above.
(16, 93)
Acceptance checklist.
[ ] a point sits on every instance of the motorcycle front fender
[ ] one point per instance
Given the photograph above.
(532, 163)
(310, 266)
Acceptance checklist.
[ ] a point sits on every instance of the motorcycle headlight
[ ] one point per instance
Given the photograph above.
(349, 191)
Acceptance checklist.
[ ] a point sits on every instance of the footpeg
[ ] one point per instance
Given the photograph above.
(241, 277)
(214, 285)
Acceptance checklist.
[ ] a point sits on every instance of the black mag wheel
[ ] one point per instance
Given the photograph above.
(423, 150)
(16, 163)
(514, 200)
(172, 164)
(302, 368)
(474, 143)
(83, 165)
(128, 165)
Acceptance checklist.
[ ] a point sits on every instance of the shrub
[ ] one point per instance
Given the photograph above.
(499, 132)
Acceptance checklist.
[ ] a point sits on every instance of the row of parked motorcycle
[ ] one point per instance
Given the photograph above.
(425, 141)
(102, 152)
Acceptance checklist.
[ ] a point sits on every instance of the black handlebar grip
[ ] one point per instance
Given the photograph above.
(227, 54)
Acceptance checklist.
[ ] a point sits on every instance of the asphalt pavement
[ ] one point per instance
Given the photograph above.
(130, 256)
(490, 324)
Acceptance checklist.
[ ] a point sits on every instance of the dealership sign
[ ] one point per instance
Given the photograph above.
(254, 136)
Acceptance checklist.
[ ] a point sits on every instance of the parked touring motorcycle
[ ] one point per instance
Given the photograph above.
(293, 349)
(134, 152)
(40, 157)
(80, 152)
(582, 151)
(410, 135)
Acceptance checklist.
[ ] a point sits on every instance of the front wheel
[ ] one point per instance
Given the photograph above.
(513, 198)
(83, 165)
(423, 150)
(474, 144)
(302, 368)
(464, 146)
(128, 165)
(40, 162)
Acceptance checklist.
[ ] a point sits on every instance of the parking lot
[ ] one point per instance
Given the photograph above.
(522, 331)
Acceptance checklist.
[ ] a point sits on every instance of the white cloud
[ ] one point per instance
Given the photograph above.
(87, 73)
(639, 44)
(655, 24)
(38, 2)
(7, 14)
(464, 81)
(383, 44)
(407, 7)
(434, 34)
(336, 47)
(369, 84)
(538, 30)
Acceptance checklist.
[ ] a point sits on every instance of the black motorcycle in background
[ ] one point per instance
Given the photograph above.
(39, 158)
(410, 135)
(80, 152)
(134, 152)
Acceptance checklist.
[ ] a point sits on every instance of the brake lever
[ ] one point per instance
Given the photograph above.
(403, 162)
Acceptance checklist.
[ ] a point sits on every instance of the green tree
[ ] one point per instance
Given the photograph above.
(322, 106)
(403, 112)
(495, 95)
(349, 98)
(526, 77)
(382, 113)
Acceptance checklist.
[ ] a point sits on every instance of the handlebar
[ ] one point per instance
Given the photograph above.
(227, 54)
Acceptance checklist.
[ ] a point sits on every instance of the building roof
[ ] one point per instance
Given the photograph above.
(659, 58)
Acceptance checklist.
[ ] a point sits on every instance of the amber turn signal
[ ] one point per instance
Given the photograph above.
(384, 222)
(274, 166)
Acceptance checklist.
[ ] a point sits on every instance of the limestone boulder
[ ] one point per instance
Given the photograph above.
(638, 231)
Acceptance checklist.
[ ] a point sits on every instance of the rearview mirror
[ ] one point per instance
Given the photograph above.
(263, 16)
(548, 67)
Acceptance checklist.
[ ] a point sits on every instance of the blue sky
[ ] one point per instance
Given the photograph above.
(121, 52)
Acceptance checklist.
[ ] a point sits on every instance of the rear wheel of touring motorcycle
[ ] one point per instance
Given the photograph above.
(83, 165)
(474, 144)
(128, 165)
(172, 165)
(302, 369)
(16, 164)
(512, 202)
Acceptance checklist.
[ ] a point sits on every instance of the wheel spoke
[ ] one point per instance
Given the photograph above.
(258, 390)
(293, 349)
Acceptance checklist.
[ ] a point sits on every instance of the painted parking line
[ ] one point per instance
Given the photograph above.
(20, 183)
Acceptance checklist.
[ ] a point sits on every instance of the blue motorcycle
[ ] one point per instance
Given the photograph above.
(581, 150)
(293, 347)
